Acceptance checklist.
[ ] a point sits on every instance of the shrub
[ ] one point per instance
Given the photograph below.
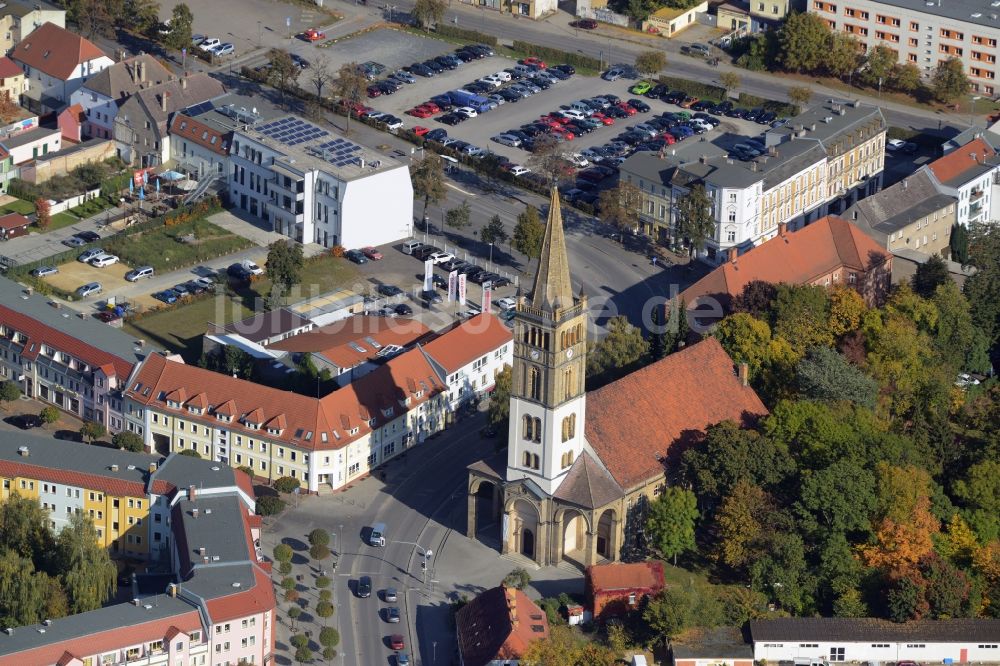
(319, 537)
(284, 568)
(246, 470)
(286, 484)
(282, 553)
(325, 595)
(49, 415)
(557, 55)
(694, 88)
(329, 637)
(319, 552)
(288, 583)
(322, 582)
(783, 109)
(299, 640)
(324, 609)
(269, 505)
(473, 36)
(190, 453)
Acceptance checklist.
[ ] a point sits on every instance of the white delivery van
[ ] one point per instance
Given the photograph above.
(377, 537)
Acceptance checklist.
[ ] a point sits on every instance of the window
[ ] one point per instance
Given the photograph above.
(915, 645)
(567, 459)
(836, 654)
(530, 460)
(880, 645)
(534, 384)
(532, 428)
(569, 427)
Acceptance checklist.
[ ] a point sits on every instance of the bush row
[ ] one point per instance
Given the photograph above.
(473, 36)
(557, 55)
(783, 109)
(694, 88)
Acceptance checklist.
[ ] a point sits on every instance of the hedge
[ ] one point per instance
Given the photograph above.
(694, 88)
(783, 109)
(473, 36)
(556, 55)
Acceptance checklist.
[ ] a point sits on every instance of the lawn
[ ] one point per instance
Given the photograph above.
(170, 248)
(18, 206)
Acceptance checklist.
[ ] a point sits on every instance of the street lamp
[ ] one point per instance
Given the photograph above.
(491, 255)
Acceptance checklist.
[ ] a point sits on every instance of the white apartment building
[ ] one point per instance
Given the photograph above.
(470, 355)
(822, 162)
(316, 187)
(924, 32)
(970, 174)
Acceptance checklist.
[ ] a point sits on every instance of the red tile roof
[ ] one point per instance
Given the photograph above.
(498, 624)
(620, 576)
(38, 334)
(9, 68)
(634, 422)
(467, 341)
(960, 160)
(799, 257)
(55, 51)
(106, 484)
(256, 600)
(201, 134)
(13, 221)
(334, 342)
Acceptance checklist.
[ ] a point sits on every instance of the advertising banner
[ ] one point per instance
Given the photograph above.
(452, 285)
(487, 296)
(428, 275)
(461, 289)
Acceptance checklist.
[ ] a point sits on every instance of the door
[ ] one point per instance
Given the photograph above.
(528, 543)
(963, 656)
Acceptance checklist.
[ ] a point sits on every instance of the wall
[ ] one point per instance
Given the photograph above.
(47, 142)
(368, 217)
(50, 165)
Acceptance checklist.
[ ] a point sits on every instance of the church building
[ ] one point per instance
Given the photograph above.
(579, 467)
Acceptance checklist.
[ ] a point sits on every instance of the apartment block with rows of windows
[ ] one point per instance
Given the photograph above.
(925, 33)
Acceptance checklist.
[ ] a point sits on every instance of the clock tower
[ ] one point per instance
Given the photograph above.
(548, 401)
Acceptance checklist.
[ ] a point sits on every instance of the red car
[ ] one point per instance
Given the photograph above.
(396, 642)
(374, 91)
(420, 112)
(371, 253)
(356, 107)
(687, 103)
(538, 62)
(431, 106)
(586, 24)
(669, 138)
(627, 109)
(563, 132)
(607, 120)
(420, 130)
(313, 35)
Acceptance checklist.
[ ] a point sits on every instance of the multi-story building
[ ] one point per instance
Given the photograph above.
(64, 358)
(323, 442)
(910, 215)
(56, 62)
(103, 94)
(828, 158)
(469, 356)
(924, 33)
(19, 18)
(12, 83)
(190, 516)
(970, 175)
(316, 187)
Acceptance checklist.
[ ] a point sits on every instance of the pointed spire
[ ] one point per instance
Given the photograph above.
(553, 288)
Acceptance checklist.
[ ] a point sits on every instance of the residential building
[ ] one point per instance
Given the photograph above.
(13, 225)
(497, 626)
(12, 82)
(351, 348)
(719, 646)
(189, 516)
(578, 464)
(828, 253)
(924, 33)
(841, 639)
(19, 18)
(471, 355)
(832, 156)
(32, 144)
(102, 95)
(71, 121)
(140, 126)
(267, 328)
(615, 589)
(970, 174)
(315, 187)
(65, 359)
(670, 21)
(910, 215)
(989, 135)
(56, 62)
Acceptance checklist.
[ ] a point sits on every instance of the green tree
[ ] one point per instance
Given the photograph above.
(739, 524)
(283, 72)
(620, 206)
(48, 415)
(929, 275)
(9, 392)
(499, 406)
(129, 441)
(22, 590)
(319, 552)
(493, 233)
(960, 345)
(949, 81)
(668, 613)
(428, 12)
(287, 583)
(843, 55)
(905, 78)
(293, 614)
(801, 316)
(145, 14)
(91, 430)
(879, 62)
(695, 218)
(286, 484)
(324, 609)
(284, 263)
(282, 553)
(779, 570)
(303, 654)
(319, 537)
(329, 637)
(804, 39)
(181, 21)
(837, 499)
(269, 505)
(648, 63)
(518, 578)
(86, 569)
(730, 81)
(427, 176)
(95, 17)
(982, 289)
(745, 338)
(460, 216)
(617, 353)
(824, 374)
(321, 583)
(958, 243)
(978, 493)
(350, 86)
(528, 233)
(850, 604)
(760, 51)
(671, 520)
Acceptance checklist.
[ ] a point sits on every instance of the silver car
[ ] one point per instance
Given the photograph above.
(44, 271)
(89, 289)
(90, 254)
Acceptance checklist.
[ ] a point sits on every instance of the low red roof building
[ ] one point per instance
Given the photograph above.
(13, 225)
(498, 625)
(614, 589)
(71, 121)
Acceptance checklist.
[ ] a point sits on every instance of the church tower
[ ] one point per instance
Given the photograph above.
(548, 401)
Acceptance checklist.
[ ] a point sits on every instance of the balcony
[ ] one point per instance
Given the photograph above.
(976, 195)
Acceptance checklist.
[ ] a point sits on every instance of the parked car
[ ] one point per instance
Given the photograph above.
(389, 290)
(639, 105)
(103, 260)
(641, 88)
(168, 296)
(313, 35)
(74, 241)
(44, 271)
(584, 24)
(225, 49)
(139, 273)
(371, 253)
(87, 255)
(440, 257)
(506, 303)
(403, 310)
(428, 297)
(392, 613)
(613, 74)
(209, 43)
(396, 642)
(357, 256)
(239, 272)
(364, 587)
(251, 267)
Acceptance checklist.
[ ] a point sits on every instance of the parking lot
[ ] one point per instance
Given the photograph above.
(74, 274)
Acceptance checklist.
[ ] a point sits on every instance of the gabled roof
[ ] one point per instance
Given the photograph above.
(264, 325)
(587, 484)
(963, 164)
(13, 221)
(148, 102)
(9, 68)
(55, 51)
(126, 77)
(208, 137)
(898, 206)
(471, 339)
(621, 576)
(633, 423)
(794, 258)
(500, 623)
(867, 629)
(354, 340)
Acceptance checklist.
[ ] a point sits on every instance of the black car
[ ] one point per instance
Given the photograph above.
(767, 118)
(616, 112)
(424, 251)
(403, 309)
(299, 61)
(558, 73)
(565, 69)
(386, 87)
(432, 296)
(87, 236)
(465, 56)
(499, 282)
(357, 256)
(541, 82)
(436, 134)
(509, 96)
(702, 105)
(638, 105)
(389, 290)
(239, 272)
(445, 62)
(439, 281)
(675, 97)
(443, 102)
(422, 70)
(450, 119)
(735, 112)
(657, 91)
(753, 114)
(720, 109)
(477, 88)
(433, 65)
(365, 587)
(25, 421)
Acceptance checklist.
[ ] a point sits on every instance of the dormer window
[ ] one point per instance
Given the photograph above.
(354, 431)
(371, 423)
(387, 413)
(274, 431)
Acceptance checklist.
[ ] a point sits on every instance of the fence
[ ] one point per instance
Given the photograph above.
(73, 202)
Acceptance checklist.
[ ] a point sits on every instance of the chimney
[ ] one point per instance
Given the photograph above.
(163, 101)
(704, 159)
(841, 111)
(141, 68)
(744, 374)
(23, 451)
(114, 468)
(140, 342)
(184, 83)
(905, 183)
(753, 166)
(152, 467)
(172, 590)
(734, 253)
(812, 128)
(191, 493)
(195, 512)
(782, 228)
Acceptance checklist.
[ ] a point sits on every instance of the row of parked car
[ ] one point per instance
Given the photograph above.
(726, 108)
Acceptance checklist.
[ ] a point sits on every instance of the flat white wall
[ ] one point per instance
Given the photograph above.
(377, 209)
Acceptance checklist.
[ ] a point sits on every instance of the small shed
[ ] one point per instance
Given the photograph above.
(669, 21)
(719, 646)
(614, 589)
(13, 225)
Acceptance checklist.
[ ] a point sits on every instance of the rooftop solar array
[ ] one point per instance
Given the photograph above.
(198, 109)
(292, 131)
(339, 152)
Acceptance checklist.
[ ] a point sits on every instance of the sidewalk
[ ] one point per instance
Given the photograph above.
(37, 246)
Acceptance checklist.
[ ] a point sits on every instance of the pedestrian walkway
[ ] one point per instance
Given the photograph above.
(257, 233)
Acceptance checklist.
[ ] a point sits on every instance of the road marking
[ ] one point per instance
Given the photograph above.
(456, 187)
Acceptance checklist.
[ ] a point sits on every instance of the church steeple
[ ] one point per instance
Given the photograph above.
(553, 289)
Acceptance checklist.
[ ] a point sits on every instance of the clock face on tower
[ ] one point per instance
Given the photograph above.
(534, 354)
(569, 353)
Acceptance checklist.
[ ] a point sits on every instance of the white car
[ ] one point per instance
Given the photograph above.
(253, 268)
(206, 282)
(505, 303)
(491, 80)
(894, 144)
(573, 114)
(441, 257)
(393, 123)
(503, 76)
(466, 111)
(519, 170)
(224, 49)
(210, 43)
(103, 260)
(578, 160)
